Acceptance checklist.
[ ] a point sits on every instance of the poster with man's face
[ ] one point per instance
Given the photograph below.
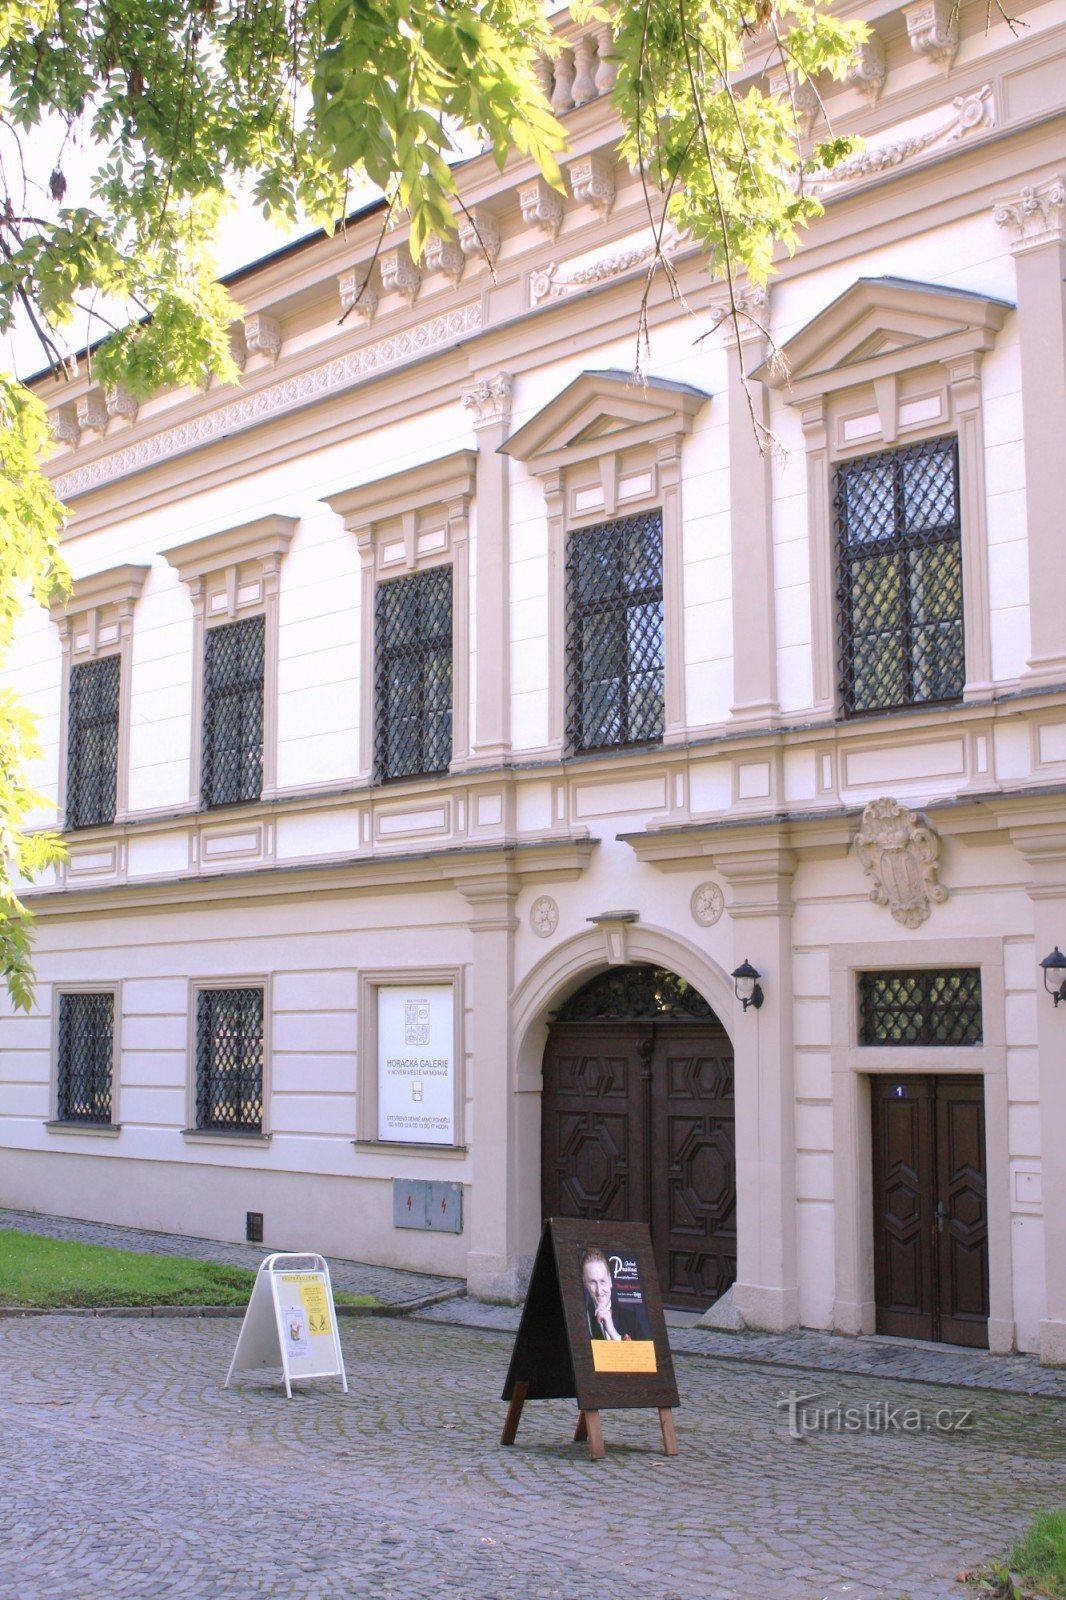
(615, 1312)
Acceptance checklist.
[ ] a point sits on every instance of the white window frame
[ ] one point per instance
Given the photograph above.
(233, 575)
(108, 1130)
(191, 1133)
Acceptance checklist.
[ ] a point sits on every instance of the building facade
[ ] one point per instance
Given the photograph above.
(440, 719)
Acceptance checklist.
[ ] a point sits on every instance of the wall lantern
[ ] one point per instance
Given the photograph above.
(746, 985)
(1055, 965)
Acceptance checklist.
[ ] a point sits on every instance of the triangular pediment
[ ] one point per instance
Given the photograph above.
(883, 325)
(604, 409)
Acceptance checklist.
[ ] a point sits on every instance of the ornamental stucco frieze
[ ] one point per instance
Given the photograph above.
(558, 279)
(969, 114)
(900, 851)
(248, 410)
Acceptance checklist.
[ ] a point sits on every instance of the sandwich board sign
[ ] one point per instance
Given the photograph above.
(291, 1322)
(593, 1327)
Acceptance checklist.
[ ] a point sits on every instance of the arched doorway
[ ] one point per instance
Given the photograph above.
(638, 1124)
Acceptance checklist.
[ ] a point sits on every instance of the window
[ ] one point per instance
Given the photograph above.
(923, 1008)
(229, 1060)
(899, 590)
(92, 743)
(614, 630)
(232, 759)
(86, 1032)
(413, 651)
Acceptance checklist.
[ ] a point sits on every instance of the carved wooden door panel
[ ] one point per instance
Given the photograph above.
(637, 1126)
(930, 1209)
(592, 1146)
(694, 1198)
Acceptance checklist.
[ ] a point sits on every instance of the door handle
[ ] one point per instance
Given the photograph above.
(940, 1215)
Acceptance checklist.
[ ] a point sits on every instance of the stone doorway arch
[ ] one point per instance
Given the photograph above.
(637, 1123)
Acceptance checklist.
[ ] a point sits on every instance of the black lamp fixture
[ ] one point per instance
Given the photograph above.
(746, 985)
(1054, 966)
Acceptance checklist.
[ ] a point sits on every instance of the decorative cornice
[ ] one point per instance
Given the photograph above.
(262, 335)
(445, 256)
(261, 540)
(745, 319)
(357, 295)
(92, 411)
(479, 234)
(116, 586)
(801, 95)
(399, 275)
(64, 424)
(120, 403)
(592, 181)
(1036, 217)
(969, 114)
(933, 30)
(541, 206)
(430, 483)
(489, 401)
(332, 377)
(867, 71)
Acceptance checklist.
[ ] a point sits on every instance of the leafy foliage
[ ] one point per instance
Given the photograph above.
(301, 102)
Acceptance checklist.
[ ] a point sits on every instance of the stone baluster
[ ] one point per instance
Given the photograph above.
(563, 93)
(606, 68)
(584, 87)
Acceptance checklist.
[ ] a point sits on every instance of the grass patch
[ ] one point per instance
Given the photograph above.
(53, 1273)
(1034, 1567)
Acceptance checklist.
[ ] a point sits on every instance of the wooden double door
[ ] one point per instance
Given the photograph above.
(930, 1208)
(638, 1126)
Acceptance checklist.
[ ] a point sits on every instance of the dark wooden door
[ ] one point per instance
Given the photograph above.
(638, 1126)
(930, 1209)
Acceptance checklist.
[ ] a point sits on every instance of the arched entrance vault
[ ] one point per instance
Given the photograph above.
(644, 1096)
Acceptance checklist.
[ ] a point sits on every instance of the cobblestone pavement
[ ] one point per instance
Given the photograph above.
(130, 1474)
(354, 1277)
(806, 1350)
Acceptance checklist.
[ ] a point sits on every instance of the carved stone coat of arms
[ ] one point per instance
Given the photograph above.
(900, 851)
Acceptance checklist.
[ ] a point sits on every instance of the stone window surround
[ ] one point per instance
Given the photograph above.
(232, 575)
(585, 474)
(191, 1133)
(854, 1305)
(858, 394)
(109, 1130)
(403, 524)
(96, 620)
(370, 981)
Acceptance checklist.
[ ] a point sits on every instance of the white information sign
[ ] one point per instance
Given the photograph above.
(291, 1322)
(416, 1063)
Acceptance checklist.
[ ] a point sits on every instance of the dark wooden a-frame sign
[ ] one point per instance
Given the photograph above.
(561, 1349)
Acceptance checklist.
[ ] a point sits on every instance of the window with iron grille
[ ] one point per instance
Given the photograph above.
(899, 578)
(232, 764)
(229, 1060)
(413, 648)
(924, 1008)
(86, 1032)
(92, 743)
(614, 633)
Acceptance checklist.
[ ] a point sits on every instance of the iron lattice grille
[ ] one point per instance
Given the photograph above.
(634, 994)
(614, 633)
(413, 620)
(899, 589)
(925, 1008)
(229, 1059)
(92, 743)
(233, 713)
(86, 1032)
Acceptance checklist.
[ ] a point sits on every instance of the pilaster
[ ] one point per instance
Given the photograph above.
(766, 1291)
(488, 402)
(751, 518)
(498, 1147)
(1035, 221)
(1044, 849)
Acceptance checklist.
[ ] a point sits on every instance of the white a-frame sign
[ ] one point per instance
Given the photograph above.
(291, 1322)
